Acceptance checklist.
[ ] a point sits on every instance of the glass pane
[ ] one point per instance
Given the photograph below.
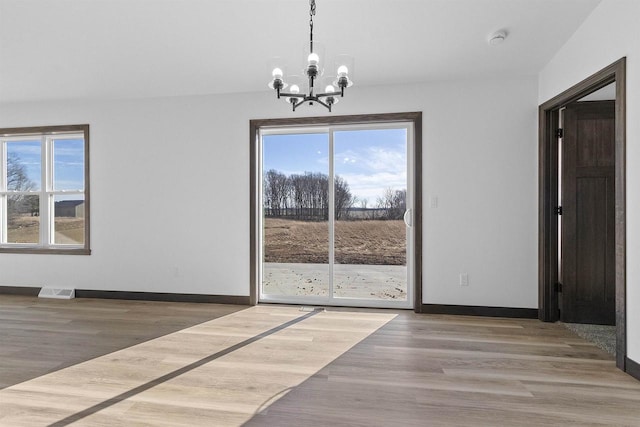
(296, 227)
(370, 202)
(68, 164)
(68, 221)
(24, 162)
(23, 220)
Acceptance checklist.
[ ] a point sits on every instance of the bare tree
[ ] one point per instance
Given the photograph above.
(304, 196)
(18, 180)
(276, 193)
(394, 203)
(343, 198)
(297, 194)
(312, 195)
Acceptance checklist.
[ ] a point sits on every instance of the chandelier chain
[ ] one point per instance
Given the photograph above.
(312, 12)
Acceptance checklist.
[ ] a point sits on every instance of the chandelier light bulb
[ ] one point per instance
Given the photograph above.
(313, 58)
(343, 71)
(295, 89)
(329, 89)
(277, 73)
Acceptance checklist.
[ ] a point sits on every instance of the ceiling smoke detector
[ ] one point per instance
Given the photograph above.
(497, 38)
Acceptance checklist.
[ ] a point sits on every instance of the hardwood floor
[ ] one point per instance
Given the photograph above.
(38, 336)
(279, 366)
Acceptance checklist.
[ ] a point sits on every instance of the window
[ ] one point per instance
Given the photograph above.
(44, 190)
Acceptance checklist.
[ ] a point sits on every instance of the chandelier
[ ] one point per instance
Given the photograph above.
(313, 72)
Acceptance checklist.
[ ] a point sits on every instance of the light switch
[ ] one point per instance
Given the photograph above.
(464, 279)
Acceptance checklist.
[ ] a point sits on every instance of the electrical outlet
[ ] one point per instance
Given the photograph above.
(464, 279)
(433, 202)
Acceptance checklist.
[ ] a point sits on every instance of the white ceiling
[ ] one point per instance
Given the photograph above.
(108, 49)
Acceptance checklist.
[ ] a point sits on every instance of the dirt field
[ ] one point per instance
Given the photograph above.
(26, 229)
(374, 242)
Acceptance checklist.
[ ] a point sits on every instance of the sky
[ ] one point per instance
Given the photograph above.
(68, 156)
(369, 160)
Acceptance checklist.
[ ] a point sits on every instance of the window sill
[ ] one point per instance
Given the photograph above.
(49, 251)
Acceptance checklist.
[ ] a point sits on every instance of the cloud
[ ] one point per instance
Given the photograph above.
(72, 154)
(384, 159)
(369, 171)
(61, 184)
(60, 163)
(374, 159)
(372, 186)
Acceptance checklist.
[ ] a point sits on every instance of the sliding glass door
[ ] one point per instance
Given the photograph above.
(336, 215)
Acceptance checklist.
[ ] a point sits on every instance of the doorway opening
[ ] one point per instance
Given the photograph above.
(582, 250)
(335, 211)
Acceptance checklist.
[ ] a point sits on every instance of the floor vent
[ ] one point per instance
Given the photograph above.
(60, 293)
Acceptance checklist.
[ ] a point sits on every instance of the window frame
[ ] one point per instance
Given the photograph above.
(261, 125)
(330, 130)
(46, 192)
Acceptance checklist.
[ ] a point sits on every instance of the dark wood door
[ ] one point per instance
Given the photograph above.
(588, 210)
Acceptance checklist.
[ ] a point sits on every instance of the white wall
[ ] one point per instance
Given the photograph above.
(170, 190)
(608, 34)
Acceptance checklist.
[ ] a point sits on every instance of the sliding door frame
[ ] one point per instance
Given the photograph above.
(255, 126)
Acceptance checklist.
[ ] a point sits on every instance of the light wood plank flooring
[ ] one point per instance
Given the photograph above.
(219, 365)
(38, 336)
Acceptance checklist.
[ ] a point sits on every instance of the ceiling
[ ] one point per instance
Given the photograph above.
(109, 49)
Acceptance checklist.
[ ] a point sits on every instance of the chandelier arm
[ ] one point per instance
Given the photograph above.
(328, 94)
(293, 95)
(319, 101)
(311, 99)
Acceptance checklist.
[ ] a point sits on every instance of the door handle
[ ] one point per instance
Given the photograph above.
(408, 218)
